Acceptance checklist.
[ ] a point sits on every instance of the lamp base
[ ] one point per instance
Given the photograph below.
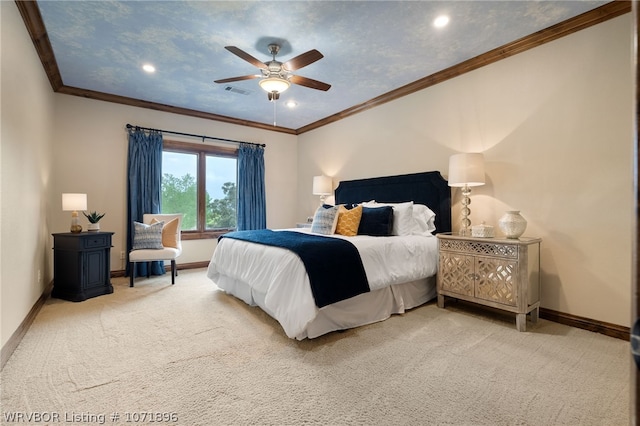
(75, 226)
(466, 211)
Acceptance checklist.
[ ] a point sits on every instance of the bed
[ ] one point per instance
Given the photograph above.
(400, 270)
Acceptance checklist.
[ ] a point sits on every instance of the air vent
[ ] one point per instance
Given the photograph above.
(236, 90)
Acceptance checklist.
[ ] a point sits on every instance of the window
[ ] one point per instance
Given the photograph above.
(200, 181)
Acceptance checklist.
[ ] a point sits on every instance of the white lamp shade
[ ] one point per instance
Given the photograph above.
(322, 185)
(466, 169)
(74, 202)
(274, 84)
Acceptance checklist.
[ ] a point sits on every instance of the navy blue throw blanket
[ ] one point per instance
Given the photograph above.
(334, 266)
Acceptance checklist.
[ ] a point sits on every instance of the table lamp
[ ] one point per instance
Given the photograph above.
(322, 186)
(73, 203)
(466, 170)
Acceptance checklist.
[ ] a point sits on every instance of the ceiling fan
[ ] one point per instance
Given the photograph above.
(276, 76)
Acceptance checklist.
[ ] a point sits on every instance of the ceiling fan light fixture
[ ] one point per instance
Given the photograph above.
(274, 84)
(441, 21)
(149, 68)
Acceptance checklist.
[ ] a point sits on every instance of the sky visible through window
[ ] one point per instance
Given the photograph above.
(219, 170)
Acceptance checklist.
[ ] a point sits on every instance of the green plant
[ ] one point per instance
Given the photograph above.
(94, 217)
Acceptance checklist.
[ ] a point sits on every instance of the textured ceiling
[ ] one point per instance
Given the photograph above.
(370, 48)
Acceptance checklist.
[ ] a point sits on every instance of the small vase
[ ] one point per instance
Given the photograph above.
(512, 224)
(93, 227)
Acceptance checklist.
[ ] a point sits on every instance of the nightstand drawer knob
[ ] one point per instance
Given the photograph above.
(473, 276)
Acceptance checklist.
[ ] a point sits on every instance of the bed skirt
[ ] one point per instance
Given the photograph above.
(366, 308)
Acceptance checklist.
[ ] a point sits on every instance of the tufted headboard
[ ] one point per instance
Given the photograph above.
(427, 188)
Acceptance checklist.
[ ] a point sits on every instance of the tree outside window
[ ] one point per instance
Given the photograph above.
(200, 182)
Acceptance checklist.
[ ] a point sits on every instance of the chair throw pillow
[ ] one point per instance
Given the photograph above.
(170, 236)
(147, 236)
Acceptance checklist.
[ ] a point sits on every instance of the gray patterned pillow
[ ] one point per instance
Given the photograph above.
(147, 236)
(325, 220)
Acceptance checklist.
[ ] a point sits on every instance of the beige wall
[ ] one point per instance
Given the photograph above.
(555, 124)
(25, 174)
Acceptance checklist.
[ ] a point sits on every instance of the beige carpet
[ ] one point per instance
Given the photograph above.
(193, 354)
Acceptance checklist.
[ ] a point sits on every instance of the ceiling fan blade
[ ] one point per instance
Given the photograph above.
(229, 80)
(244, 55)
(308, 82)
(302, 60)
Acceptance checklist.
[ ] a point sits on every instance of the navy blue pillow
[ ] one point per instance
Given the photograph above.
(376, 221)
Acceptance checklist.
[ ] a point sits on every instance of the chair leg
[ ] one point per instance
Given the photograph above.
(132, 272)
(173, 272)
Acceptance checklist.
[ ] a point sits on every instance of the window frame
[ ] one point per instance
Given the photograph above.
(202, 151)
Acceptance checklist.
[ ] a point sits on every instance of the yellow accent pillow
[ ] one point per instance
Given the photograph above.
(349, 220)
(169, 232)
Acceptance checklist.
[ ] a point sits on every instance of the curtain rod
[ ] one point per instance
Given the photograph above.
(203, 137)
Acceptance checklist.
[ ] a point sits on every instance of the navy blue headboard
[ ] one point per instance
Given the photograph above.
(427, 188)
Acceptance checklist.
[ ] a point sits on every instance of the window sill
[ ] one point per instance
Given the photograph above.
(195, 235)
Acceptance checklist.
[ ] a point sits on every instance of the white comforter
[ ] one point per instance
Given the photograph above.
(278, 279)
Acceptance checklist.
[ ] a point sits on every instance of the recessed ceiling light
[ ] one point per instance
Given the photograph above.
(441, 21)
(292, 104)
(149, 68)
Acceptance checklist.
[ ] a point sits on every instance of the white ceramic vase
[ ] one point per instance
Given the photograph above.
(512, 224)
(93, 227)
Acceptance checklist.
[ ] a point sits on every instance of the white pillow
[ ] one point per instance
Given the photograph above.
(424, 220)
(403, 222)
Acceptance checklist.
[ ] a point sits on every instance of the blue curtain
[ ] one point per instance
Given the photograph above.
(252, 210)
(144, 186)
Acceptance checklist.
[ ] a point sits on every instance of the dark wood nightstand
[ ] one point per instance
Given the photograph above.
(81, 265)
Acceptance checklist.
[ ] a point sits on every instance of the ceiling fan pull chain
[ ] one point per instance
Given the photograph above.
(274, 112)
